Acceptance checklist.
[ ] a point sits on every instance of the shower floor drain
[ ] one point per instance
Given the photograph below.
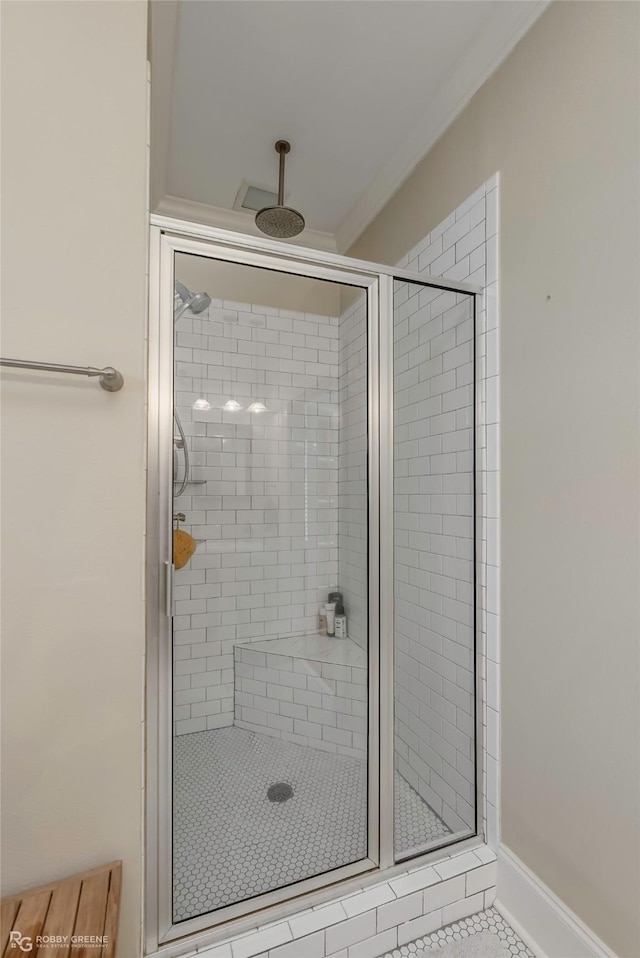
(279, 792)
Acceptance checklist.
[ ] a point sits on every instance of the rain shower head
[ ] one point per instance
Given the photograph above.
(184, 299)
(280, 221)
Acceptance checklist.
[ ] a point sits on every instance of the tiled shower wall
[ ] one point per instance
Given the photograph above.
(380, 916)
(312, 703)
(463, 247)
(262, 503)
(433, 504)
(352, 470)
(433, 517)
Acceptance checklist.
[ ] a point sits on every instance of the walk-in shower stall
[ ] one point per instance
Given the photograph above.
(311, 573)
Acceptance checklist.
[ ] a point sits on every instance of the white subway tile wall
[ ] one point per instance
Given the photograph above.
(434, 353)
(262, 500)
(489, 605)
(434, 543)
(377, 918)
(278, 499)
(352, 469)
(462, 883)
(303, 700)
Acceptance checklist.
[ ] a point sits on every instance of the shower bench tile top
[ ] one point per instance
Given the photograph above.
(319, 648)
(309, 690)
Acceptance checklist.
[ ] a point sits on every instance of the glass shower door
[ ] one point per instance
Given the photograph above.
(312, 650)
(270, 626)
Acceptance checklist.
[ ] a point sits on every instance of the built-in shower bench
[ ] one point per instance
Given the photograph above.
(307, 689)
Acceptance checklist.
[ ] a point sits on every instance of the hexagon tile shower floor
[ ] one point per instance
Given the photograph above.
(475, 930)
(231, 842)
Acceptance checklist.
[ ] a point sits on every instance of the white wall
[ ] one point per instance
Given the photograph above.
(559, 120)
(73, 266)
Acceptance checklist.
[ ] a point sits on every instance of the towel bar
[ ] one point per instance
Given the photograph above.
(110, 378)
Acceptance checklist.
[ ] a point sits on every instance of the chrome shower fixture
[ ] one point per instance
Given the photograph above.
(184, 299)
(280, 221)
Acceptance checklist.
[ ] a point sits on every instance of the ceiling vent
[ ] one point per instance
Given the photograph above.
(250, 199)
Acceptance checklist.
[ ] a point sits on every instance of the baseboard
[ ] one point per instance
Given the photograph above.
(545, 924)
(521, 932)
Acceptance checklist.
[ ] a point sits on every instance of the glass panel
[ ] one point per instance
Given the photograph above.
(434, 567)
(270, 698)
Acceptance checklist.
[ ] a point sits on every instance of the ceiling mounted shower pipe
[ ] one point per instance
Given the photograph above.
(280, 221)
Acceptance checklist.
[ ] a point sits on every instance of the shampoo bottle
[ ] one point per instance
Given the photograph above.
(331, 617)
(341, 622)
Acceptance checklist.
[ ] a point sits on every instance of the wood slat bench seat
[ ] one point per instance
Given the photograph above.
(73, 918)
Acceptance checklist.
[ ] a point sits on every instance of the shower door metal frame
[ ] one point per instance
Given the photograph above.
(170, 236)
(164, 246)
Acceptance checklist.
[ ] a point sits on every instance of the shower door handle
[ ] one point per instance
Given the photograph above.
(169, 570)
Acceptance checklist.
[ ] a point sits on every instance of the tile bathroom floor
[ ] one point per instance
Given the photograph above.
(232, 843)
(485, 921)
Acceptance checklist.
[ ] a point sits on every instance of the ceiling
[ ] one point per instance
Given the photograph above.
(361, 88)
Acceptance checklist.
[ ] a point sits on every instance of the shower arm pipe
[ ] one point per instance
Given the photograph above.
(110, 378)
(281, 150)
(179, 310)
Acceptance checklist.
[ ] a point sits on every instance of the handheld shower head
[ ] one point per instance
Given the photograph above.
(199, 302)
(181, 292)
(183, 299)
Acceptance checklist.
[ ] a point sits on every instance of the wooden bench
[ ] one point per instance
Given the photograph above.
(73, 918)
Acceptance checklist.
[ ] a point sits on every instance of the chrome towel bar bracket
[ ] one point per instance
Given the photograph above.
(110, 378)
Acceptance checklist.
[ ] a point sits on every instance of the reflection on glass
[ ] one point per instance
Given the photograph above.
(434, 732)
(270, 715)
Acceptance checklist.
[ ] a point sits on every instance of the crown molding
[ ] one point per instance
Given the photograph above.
(492, 46)
(193, 212)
